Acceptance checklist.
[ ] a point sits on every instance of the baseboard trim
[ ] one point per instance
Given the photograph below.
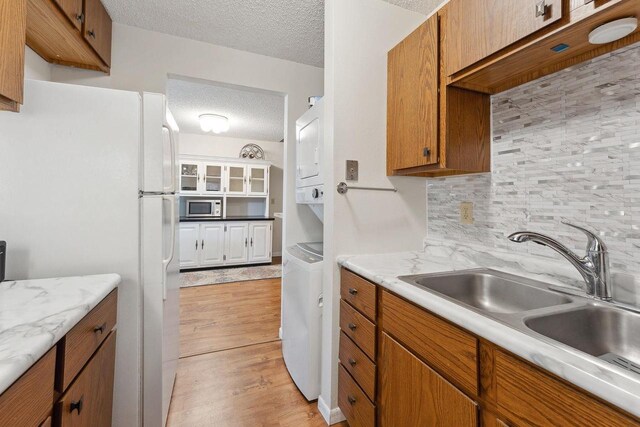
(331, 416)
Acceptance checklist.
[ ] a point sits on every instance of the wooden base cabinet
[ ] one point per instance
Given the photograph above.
(72, 384)
(426, 371)
(412, 394)
(88, 401)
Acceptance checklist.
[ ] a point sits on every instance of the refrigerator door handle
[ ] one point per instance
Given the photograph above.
(166, 262)
(172, 144)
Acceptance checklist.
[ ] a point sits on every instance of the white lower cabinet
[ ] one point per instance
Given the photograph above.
(213, 243)
(260, 242)
(237, 242)
(189, 239)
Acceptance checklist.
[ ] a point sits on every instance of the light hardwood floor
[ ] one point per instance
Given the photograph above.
(245, 386)
(219, 317)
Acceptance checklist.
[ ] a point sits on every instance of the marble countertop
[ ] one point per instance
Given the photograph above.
(35, 314)
(587, 372)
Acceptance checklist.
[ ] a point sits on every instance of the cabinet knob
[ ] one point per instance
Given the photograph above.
(541, 8)
(100, 328)
(76, 406)
(91, 34)
(351, 399)
(352, 326)
(80, 17)
(426, 152)
(352, 362)
(353, 291)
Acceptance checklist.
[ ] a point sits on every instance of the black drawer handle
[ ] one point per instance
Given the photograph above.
(76, 406)
(100, 328)
(351, 399)
(352, 326)
(352, 362)
(353, 291)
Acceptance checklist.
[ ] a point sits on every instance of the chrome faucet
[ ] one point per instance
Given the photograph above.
(594, 266)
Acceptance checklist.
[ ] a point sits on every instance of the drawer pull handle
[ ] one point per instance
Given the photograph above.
(76, 406)
(353, 291)
(351, 399)
(352, 326)
(352, 362)
(100, 328)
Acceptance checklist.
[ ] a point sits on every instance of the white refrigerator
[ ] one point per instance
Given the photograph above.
(88, 178)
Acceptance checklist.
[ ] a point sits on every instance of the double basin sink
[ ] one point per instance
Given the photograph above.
(596, 328)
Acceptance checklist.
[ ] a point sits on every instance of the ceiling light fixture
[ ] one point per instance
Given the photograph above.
(612, 31)
(214, 123)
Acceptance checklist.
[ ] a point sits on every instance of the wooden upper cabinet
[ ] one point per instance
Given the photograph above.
(412, 100)
(97, 29)
(412, 394)
(13, 21)
(479, 28)
(73, 10)
(53, 33)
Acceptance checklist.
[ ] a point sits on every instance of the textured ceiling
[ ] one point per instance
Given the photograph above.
(252, 114)
(421, 6)
(286, 29)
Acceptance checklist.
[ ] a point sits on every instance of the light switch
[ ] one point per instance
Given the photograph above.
(466, 213)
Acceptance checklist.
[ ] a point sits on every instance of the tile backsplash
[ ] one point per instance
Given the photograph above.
(564, 148)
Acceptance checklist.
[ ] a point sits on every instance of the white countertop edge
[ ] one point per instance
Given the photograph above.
(610, 386)
(19, 353)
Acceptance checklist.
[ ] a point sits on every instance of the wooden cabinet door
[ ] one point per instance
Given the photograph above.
(13, 33)
(412, 99)
(211, 244)
(189, 241)
(73, 10)
(237, 242)
(88, 401)
(412, 394)
(260, 242)
(476, 29)
(97, 29)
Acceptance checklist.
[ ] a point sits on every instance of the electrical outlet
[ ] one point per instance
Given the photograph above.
(351, 173)
(466, 213)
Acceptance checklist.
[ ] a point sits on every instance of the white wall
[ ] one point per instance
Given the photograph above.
(36, 68)
(359, 33)
(211, 145)
(142, 61)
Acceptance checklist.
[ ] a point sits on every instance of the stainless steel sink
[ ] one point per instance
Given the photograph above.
(608, 333)
(490, 291)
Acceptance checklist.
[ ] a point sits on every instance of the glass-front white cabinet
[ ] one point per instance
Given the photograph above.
(190, 177)
(236, 179)
(213, 178)
(258, 180)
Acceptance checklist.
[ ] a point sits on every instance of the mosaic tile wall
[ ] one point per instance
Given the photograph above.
(565, 148)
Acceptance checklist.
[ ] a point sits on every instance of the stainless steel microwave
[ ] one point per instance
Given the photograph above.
(210, 208)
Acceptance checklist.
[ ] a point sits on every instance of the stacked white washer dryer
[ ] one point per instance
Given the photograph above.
(302, 264)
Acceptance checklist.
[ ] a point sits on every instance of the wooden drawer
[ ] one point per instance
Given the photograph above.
(29, 401)
(89, 400)
(353, 402)
(446, 348)
(359, 329)
(82, 341)
(361, 368)
(359, 293)
(527, 396)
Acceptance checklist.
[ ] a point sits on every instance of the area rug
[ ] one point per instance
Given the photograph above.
(229, 275)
